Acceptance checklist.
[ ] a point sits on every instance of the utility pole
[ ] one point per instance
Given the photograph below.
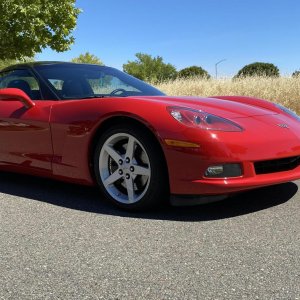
(216, 66)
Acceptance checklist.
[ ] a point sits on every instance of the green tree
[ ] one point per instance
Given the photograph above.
(88, 58)
(9, 62)
(193, 71)
(296, 74)
(149, 68)
(6, 63)
(258, 69)
(29, 26)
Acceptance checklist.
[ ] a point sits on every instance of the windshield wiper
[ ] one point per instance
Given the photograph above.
(85, 97)
(102, 96)
(93, 97)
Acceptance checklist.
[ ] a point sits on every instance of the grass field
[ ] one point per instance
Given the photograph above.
(283, 90)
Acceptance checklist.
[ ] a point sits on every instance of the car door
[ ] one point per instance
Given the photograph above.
(25, 136)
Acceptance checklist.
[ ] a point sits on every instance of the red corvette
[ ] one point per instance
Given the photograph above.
(95, 125)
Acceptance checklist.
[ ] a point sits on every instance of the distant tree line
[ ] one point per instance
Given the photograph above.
(154, 69)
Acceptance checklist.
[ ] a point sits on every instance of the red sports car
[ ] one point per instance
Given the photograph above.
(95, 125)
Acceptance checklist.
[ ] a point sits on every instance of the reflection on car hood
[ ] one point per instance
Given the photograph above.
(226, 108)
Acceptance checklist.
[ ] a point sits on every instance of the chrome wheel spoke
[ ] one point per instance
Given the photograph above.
(130, 190)
(112, 178)
(130, 148)
(138, 170)
(112, 153)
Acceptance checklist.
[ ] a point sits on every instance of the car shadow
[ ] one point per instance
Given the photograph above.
(88, 199)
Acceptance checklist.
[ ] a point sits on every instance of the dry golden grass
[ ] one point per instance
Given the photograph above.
(283, 90)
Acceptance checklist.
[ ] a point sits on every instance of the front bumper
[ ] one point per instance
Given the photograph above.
(232, 185)
(267, 142)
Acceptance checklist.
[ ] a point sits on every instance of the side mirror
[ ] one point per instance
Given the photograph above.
(13, 94)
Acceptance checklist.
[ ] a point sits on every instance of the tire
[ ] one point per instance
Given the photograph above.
(130, 169)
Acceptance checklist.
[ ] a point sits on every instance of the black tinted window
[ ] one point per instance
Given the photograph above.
(23, 80)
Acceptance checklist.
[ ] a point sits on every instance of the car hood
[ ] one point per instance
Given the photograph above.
(222, 107)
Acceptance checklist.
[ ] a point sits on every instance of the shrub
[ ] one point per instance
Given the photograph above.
(193, 71)
(87, 58)
(258, 69)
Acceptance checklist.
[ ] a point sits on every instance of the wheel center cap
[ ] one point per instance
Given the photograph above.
(125, 167)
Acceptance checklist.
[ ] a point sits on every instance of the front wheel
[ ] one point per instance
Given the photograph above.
(130, 169)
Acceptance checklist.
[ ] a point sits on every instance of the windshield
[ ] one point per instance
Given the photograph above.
(79, 81)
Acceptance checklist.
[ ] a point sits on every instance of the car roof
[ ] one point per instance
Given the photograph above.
(38, 63)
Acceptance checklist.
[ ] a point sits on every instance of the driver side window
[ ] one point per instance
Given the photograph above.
(23, 80)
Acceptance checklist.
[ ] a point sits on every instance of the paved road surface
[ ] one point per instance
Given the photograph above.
(57, 241)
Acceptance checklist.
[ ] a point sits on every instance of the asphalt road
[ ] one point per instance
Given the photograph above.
(58, 241)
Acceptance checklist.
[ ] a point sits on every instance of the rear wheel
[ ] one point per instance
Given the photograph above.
(130, 169)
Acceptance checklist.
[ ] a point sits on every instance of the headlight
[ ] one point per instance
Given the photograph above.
(288, 111)
(201, 119)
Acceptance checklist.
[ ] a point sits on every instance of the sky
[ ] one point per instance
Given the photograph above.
(189, 32)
